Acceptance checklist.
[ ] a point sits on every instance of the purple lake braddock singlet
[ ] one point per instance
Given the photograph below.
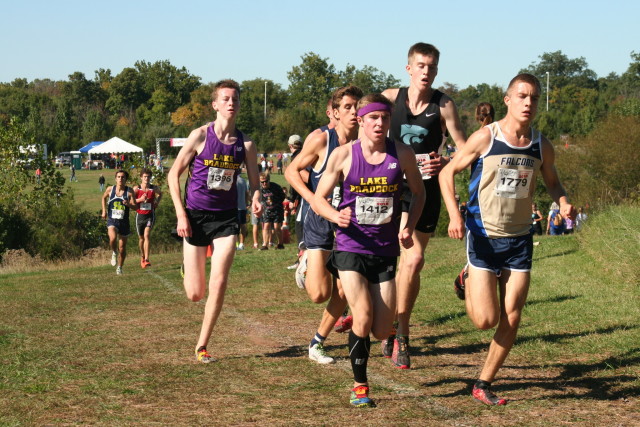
(373, 193)
(213, 174)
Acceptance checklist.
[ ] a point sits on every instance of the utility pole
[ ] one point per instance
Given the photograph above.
(547, 91)
(265, 100)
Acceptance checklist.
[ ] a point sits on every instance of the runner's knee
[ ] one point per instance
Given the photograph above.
(414, 261)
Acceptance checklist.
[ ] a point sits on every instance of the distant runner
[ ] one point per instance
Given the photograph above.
(148, 198)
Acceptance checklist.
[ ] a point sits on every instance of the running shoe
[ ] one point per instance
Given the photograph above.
(143, 264)
(485, 396)
(387, 346)
(255, 246)
(400, 355)
(293, 266)
(318, 354)
(119, 271)
(147, 263)
(460, 281)
(114, 258)
(280, 246)
(240, 247)
(203, 356)
(301, 271)
(264, 248)
(360, 397)
(343, 324)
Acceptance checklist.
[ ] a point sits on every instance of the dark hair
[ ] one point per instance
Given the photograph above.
(146, 171)
(424, 49)
(126, 174)
(485, 113)
(374, 97)
(526, 78)
(338, 94)
(224, 84)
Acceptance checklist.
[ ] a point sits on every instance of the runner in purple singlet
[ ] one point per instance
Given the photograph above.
(368, 219)
(213, 154)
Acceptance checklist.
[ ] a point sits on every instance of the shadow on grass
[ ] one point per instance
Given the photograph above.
(456, 315)
(575, 380)
(482, 346)
(555, 338)
(560, 252)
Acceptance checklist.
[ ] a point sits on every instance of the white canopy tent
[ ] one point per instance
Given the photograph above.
(115, 145)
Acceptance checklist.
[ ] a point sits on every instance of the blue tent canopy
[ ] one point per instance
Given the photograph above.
(89, 146)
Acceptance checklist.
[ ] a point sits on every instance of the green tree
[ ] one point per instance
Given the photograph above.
(563, 70)
(369, 79)
(252, 118)
(311, 84)
(126, 92)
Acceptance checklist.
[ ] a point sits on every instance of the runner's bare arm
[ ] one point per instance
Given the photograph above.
(158, 197)
(308, 156)
(131, 201)
(105, 197)
(475, 146)
(193, 144)
(391, 94)
(335, 167)
(552, 181)
(251, 162)
(414, 180)
(449, 113)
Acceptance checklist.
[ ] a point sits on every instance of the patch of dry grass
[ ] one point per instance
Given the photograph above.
(79, 345)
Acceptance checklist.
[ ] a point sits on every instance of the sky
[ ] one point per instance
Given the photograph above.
(480, 41)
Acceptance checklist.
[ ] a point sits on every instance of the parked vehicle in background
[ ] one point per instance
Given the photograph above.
(63, 159)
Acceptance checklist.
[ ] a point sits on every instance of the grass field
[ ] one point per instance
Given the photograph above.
(79, 345)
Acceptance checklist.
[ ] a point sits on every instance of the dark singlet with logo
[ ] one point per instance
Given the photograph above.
(117, 209)
(422, 131)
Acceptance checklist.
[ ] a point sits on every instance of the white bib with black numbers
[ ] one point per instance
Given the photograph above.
(513, 183)
(374, 210)
(422, 160)
(117, 213)
(220, 179)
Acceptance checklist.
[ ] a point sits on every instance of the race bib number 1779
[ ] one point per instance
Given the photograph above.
(513, 183)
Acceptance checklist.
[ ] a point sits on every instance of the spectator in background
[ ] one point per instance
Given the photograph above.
(279, 164)
(555, 221)
(101, 181)
(73, 173)
(568, 225)
(272, 198)
(243, 195)
(536, 220)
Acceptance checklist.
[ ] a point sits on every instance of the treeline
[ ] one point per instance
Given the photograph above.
(594, 122)
(151, 100)
(148, 101)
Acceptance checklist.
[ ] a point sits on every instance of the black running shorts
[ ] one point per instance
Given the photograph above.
(376, 269)
(209, 225)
